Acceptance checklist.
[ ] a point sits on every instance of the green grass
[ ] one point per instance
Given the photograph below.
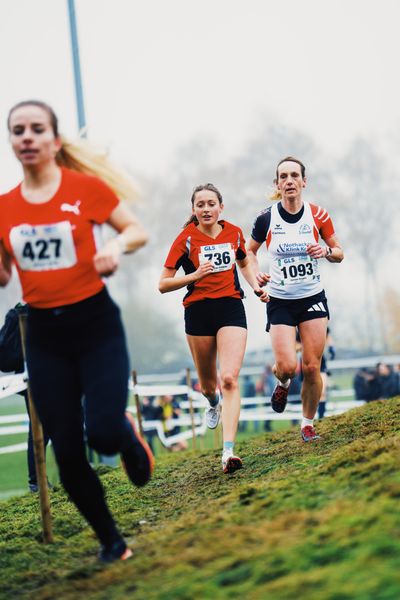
(315, 521)
(14, 472)
(13, 467)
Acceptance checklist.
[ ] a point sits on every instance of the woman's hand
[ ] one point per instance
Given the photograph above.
(262, 278)
(204, 269)
(262, 294)
(332, 251)
(316, 251)
(170, 283)
(106, 261)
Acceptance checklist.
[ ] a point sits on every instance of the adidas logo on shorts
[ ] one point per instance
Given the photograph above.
(319, 307)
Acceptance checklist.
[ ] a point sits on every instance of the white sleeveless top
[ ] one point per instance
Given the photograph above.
(294, 274)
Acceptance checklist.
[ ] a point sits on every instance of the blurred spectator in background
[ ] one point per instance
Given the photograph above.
(367, 385)
(377, 383)
(264, 387)
(396, 371)
(171, 410)
(33, 485)
(325, 373)
(360, 384)
(151, 411)
(12, 360)
(388, 381)
(248, 391)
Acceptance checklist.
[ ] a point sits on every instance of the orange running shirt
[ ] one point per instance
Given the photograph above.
(192, 246)
(53, 243)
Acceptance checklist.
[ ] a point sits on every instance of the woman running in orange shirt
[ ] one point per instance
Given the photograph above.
(76, 344)
(208, 249)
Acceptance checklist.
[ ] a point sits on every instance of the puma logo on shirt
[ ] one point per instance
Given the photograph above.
(74, 208)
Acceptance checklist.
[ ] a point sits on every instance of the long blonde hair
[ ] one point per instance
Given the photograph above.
(83, 157)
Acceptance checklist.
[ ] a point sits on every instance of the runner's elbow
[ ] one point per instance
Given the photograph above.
(162, 286)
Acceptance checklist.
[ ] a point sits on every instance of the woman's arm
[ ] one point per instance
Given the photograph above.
(249, 274)
(131, 236)
(332, 251)
(252, 248)
(170, 283)
(5, 266)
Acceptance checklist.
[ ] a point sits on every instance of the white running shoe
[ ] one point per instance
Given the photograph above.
(213, 414)
(230, 462)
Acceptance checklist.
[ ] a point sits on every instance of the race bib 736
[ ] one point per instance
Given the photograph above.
(222, 256)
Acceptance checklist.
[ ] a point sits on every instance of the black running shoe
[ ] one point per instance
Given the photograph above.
(137, 459)
(117, 551)
(279, 398)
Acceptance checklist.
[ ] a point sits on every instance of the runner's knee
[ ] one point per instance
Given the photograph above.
(311, 371)
(229, 381)
(285, 369)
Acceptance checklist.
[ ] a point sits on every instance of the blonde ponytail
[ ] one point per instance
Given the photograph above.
(275, 195)
(81, 156)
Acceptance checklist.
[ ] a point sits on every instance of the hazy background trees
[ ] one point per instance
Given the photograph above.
(357, 189)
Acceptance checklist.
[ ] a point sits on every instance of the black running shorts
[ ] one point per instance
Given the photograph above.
(206, 317)
(293, 312)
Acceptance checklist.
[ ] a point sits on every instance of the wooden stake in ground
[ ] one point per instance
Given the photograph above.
(137, 402)
(189, 385)
(39, 452)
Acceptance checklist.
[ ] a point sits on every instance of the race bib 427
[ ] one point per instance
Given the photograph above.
(43, 247)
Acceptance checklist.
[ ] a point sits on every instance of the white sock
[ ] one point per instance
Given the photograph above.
(284, 385)
(306, 422)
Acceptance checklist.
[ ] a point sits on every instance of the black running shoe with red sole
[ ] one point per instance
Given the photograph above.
(279, 398)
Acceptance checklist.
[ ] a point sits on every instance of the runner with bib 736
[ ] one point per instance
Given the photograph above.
(208, 249)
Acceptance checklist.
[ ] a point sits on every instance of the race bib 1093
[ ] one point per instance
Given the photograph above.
(297, 269)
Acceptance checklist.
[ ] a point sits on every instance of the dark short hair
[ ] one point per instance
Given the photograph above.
(291, 159)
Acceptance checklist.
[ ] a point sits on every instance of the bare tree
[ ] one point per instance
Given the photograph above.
(368, 209)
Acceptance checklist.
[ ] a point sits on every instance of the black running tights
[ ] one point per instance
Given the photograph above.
(78, 372)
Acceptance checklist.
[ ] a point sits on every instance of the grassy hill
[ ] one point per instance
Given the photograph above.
(300, 521)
